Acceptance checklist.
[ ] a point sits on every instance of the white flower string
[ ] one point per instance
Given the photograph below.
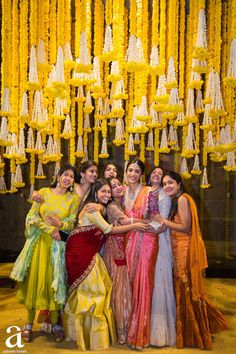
(6, 107)
(41, 54)
(150, 143)
(4, 130)
(184, 169)
(108, 45)
(205, 183)
(154, 56)
(33, 71)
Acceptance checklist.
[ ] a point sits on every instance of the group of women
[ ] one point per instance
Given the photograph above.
(132, 268)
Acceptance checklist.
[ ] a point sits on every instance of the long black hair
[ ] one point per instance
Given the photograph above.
(174, 205)
(83, 167)
(63, 169)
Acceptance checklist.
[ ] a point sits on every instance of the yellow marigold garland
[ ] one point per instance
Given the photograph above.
(60, 21)
(132, 16)
(217, 39)
(53, 34)
(40, 16)
(162, 33)
(46, 27)
(155, 22)
(181, 48)
(98, 24)
(156, 146)
(33, 22)
(6, 39)
(211, 30)
(15, 67)
(88, 23)
(67, 22)
(96, 146)
(77, 27)
(172, 6)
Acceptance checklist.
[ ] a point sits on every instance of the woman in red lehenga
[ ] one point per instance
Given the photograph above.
(141, 252)
(196, 319)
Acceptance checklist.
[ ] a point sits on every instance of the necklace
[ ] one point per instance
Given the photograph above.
(131, 197)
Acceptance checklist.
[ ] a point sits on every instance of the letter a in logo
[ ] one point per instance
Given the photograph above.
(16, 335)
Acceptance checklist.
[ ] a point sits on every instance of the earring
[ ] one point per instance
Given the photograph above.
(96, 199)
(72, 188)
(82, 180)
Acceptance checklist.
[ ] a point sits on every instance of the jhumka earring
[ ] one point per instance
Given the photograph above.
(82, 180)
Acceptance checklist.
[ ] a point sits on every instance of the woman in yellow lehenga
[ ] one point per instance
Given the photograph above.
(87, 175)
(196, 318)
(40, 267)
(88, 316)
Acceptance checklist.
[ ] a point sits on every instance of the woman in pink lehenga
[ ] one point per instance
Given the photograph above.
(141, 253)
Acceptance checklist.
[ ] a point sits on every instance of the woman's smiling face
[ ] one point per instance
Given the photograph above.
(133, 173)
(90, 174)
(170, 186)
(66, 179)
(156, 177)
(110, 171)
(117, 189)
(104, 194)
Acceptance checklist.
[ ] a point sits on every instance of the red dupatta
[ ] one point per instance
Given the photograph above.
(81, 249)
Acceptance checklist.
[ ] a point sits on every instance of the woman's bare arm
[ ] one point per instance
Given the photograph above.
(184, 214)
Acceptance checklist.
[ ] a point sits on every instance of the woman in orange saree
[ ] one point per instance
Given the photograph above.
(196, 318)
(141, 253)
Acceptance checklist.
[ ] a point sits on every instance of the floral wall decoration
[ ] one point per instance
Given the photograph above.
(161, 78)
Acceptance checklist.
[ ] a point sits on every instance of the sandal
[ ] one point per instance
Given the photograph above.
(26, 333)
(58, 332)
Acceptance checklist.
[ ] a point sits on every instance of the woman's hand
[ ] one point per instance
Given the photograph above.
(53, 220)
(141, 226)
(36, 197)
(158, 218)
(92, 207)
(56, 235)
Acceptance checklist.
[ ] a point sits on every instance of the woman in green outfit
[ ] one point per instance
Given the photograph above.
(40, 267)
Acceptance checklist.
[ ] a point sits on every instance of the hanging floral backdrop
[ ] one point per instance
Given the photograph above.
(156, 76)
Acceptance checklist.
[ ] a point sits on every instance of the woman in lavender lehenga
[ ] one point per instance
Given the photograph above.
(163, 313)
